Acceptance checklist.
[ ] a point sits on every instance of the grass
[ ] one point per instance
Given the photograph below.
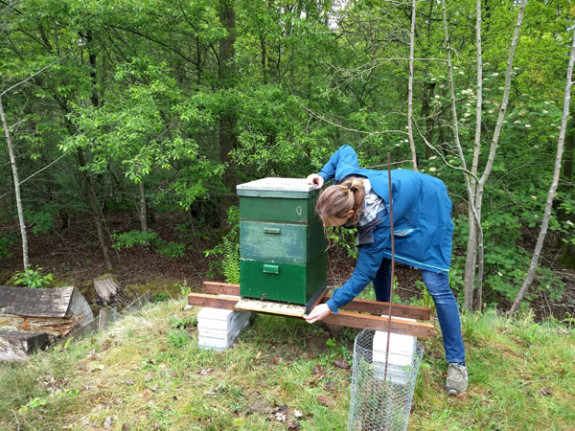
(147, 373)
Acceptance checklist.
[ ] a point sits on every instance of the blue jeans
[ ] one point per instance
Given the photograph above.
(445, 303)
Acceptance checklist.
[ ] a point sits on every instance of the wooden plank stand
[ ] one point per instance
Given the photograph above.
(357, 314)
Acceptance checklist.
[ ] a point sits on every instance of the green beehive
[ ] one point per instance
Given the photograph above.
(282, 244)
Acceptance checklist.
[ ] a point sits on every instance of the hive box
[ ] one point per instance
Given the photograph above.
(218, 328)
(282, 242)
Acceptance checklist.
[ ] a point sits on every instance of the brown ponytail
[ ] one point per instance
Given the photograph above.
(338, 200)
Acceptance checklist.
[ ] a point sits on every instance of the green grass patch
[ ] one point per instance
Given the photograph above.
(147, 373)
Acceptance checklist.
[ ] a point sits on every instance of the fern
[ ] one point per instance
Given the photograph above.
(229, 249)
(231, 261)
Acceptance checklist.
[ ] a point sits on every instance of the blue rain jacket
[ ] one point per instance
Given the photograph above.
(422, 223)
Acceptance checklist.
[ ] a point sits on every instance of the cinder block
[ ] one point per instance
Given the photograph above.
(218, 328)
(215, 318)
(217, 314)
(208, 343)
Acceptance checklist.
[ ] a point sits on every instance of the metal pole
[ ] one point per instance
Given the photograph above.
(392, 265)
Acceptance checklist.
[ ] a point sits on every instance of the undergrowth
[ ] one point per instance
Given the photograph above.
(147, 373)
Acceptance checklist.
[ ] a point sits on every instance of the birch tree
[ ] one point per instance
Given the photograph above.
(410, 88)
(554, 183)
(476, 181)
(475, 239)
(14, 166)
(16, 179)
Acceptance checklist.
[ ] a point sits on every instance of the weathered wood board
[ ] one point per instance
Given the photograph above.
(54, 311)
(17, 345)
(35, 302)
(54, 326)
(106, 288)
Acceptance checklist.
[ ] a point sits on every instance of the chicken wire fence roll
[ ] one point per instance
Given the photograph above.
(380, 399)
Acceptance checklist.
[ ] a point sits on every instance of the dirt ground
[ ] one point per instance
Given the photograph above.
(73, 256)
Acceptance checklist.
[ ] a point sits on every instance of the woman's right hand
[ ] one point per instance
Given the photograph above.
(318, 313)
(315, 179)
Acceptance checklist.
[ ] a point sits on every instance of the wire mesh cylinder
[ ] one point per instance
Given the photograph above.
(380, 395)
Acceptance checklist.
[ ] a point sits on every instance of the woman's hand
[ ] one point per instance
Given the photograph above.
(318, 313)
(315, 179)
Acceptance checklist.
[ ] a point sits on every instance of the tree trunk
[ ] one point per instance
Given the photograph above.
(410, 89)
(475, 233)
(552, 188)
(476, 188)
(478, 192)
(472, 241)
(90, 189)
(15, 167)
(16, 178)
(142, 212)
(475, 230)
(96, 212)
(227, 118)
(428, 87)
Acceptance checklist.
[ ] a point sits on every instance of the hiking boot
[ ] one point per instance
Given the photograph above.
(456, 382)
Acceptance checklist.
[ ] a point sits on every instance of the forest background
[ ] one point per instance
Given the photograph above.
(127, 125)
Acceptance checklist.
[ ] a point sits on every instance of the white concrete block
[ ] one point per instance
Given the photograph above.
(222, 333)
(218, 328)
(396, 374)
(401, 351)
(224, 321)
(213, 333)
(208, 343)
(218, 314)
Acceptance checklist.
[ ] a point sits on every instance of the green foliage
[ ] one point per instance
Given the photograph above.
(40, 402)
(343, 238)
(564, 228)
(134, 238)
(41, 221)
(33, 278)
(6, 242)
(229, 248)
(426, 299)
(160, 297)
(184, 288)
(137, 93)
(231, 261)
(172, 249)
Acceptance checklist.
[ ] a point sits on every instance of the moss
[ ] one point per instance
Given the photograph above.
(5, 276)
(158, 285)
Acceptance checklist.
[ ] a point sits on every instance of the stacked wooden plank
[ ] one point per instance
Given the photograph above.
(360, 313)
